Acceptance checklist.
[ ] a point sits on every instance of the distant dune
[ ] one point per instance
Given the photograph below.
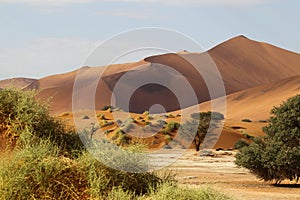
(243, 64)
(16, 82)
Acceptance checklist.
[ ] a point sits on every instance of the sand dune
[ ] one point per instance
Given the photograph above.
(243, 64)
(256, 103)
(16, 82)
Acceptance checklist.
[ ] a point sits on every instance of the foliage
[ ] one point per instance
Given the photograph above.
(39, 172)
(108, 107)
(41, 168)
(241, 143)
(168, 191)
(23, 117)
(171, 127)
(213, 115)
(196, 128)
(246, 135)
(161, 122)
(277, 155)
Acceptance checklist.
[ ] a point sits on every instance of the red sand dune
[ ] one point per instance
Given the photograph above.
(243, 64)
(16, 82)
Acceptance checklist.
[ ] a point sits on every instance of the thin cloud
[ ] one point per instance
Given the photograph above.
(159, 2)
(123, 14)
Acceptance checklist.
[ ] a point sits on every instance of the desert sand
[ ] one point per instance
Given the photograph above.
(243, 64)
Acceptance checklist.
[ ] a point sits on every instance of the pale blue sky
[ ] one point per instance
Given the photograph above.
(44, 37)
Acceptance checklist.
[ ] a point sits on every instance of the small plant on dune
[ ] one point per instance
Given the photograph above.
(101, 116)
(147, 123)
(140, 117)
(170, 115)
(146, 113)
(149, 117)
(276, 156)
(168, 139)
(127, 127)
(246, 120)
(107, 107)
(161, 122)
(105, 123)
(171, 127)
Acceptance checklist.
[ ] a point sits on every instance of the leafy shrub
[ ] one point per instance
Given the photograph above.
(196, 128)
(246, 135)
(146, 113)
(39, 172)
(171, 127)
(102, 179)
(170, 192)
(27, 120)
(127, 127)
(212, 115)
(241, 143)
(161, 122)
(169, 115)
(147, 123)
(276, 156)
(119, 122)
(108, 107)
(104, 123)
(168, 139)
(101, 116)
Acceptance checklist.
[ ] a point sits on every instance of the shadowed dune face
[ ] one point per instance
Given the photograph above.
(243, 64)
(155, 83)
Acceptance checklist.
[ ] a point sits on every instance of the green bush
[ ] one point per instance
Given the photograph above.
(246, 135)
(170, 192)
(39, 172)
(127, 127)
(26, 120)
(171, 127)
(107, 108)
(102, 178)
(276, 156)
(212, 115)
(241, 143)
(161, 122)
(196, 129)
(101, 116)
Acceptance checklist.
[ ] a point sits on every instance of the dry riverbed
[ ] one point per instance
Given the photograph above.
(219, 171)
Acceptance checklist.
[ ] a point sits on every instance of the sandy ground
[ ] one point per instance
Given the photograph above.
(221, 173)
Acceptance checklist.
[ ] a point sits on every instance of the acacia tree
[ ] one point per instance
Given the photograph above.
(276, 156)
(199, 125)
